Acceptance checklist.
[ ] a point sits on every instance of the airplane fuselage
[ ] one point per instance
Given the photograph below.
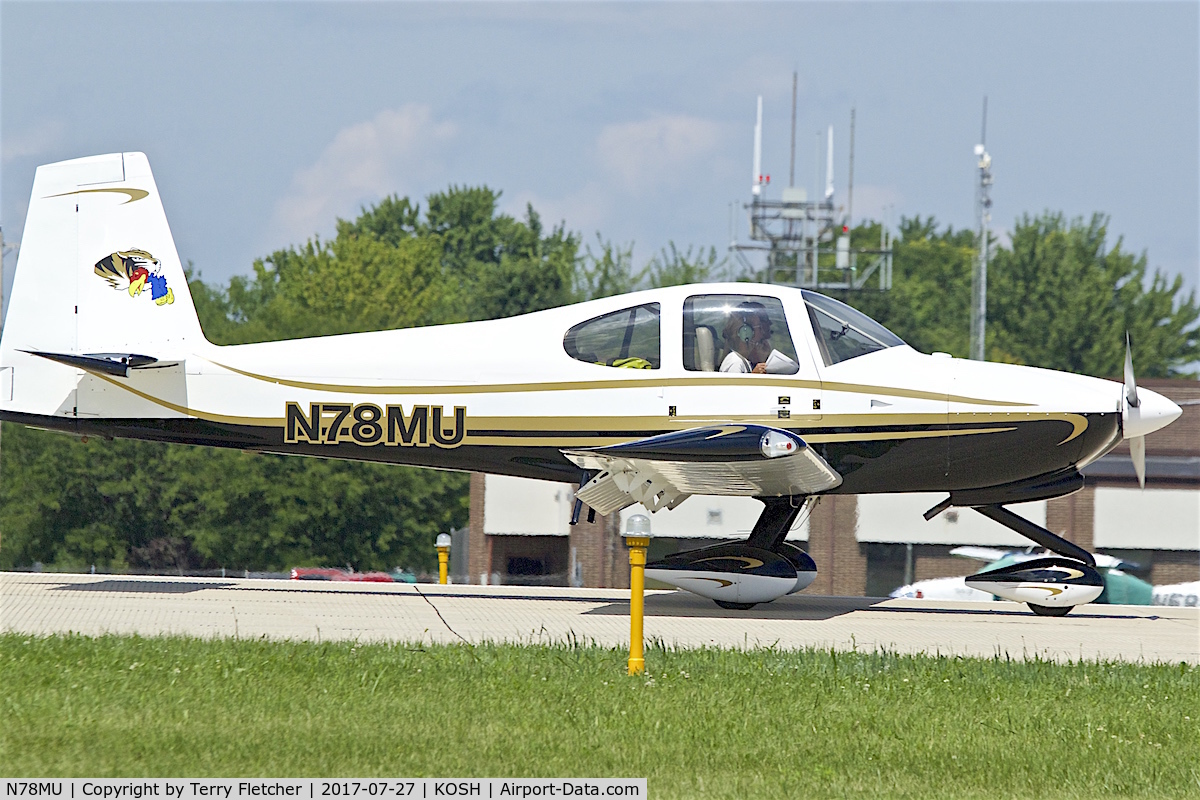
(505, 397)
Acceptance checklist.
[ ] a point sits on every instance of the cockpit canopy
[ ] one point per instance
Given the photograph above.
(731, 332)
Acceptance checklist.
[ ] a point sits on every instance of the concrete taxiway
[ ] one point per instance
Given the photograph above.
(40, 603)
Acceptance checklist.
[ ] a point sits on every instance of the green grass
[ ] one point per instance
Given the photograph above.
(711, 723)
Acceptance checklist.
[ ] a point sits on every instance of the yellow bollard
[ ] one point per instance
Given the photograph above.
(637, 539)
(443, 550)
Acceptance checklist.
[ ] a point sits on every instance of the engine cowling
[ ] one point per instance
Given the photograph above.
(1053, 582)
(736, 574)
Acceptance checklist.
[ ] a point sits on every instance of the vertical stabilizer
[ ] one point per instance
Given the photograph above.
(97, 273)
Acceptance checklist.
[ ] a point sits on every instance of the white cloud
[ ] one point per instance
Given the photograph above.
(655, 151)
(364, 162)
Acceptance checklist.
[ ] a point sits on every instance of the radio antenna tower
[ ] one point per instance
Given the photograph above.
(983, 207)
(804, 240)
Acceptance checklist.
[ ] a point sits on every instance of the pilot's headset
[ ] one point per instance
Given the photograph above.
(745, 333)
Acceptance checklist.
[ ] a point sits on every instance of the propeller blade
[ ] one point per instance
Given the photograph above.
(1131, 395)
(1137, 451)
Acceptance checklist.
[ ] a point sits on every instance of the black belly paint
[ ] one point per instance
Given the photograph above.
(935, 463)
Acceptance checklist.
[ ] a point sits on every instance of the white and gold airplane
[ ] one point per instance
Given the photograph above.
(649, 397)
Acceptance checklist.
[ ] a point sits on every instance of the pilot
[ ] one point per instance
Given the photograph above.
(747, 335)
(748, 338)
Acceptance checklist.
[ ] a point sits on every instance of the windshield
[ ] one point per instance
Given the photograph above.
(843, 332)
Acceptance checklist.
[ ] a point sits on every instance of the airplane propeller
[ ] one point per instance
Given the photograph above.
(1129, 417)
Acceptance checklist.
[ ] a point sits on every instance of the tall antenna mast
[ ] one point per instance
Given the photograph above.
(829, 167)
(792, 163)
(756, 188)
(850, 179)
(983, 207)
(816, 180)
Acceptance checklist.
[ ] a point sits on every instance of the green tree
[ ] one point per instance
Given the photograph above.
(493, 265)
(607, 271)
(929, 303)
(1061, 297)
(670, 267)
(1058, 297)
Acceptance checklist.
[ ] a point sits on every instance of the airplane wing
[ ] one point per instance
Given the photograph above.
(982, 553)
(993, 554)
(663, 471)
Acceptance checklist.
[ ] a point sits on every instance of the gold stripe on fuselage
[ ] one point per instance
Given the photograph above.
(642, 425)
(710, 381)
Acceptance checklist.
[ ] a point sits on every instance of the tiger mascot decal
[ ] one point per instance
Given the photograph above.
(134, 270)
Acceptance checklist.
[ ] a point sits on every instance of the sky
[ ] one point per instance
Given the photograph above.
(265, 122)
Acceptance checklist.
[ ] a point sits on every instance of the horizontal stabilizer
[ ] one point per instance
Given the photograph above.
(116, 364)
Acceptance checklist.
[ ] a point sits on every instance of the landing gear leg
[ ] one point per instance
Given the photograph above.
(775, 521)
(1036, 533)
(740, 575)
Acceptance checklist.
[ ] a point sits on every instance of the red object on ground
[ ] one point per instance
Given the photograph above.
(334, 574)
(316, 573)
(369, 577)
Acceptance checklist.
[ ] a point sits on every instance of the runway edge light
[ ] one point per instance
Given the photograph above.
(443, 551)
(637, 539)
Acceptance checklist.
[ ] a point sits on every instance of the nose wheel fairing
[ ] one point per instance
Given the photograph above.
(1054, 583)
(1050, 586)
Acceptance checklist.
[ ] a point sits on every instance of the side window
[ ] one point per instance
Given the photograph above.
(737, 333)
(844, 332)
(628, 338)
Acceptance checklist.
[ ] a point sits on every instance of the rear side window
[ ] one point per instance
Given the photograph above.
(628, 338)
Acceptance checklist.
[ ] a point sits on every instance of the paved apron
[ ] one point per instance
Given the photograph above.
(41, 603)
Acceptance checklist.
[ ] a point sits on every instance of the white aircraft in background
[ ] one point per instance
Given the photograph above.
(1119, 586)
(649, 397)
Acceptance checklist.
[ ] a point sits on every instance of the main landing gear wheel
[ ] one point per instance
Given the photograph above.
(1049, 611)
(735, 606)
